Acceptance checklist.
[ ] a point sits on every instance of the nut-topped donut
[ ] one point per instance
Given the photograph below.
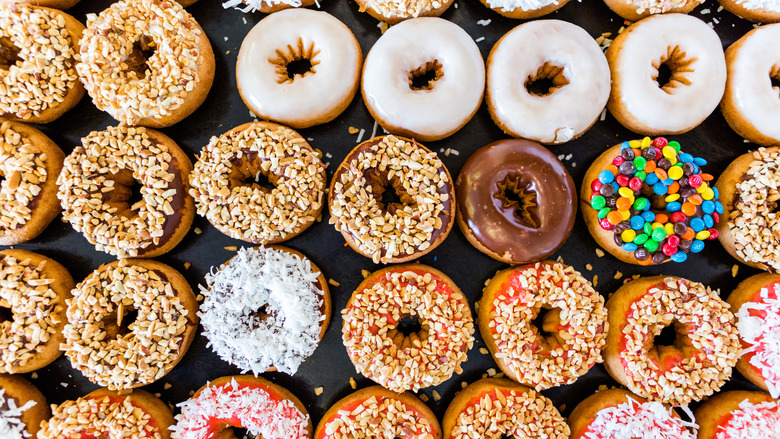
(618, 414)
(648, 202)
(57, 4)
(382, 352)
(264, 409)
(383, 230)
(395, 11)
(22, 408)
(750, 194)
(524, 9)
(756, 304)
(265, 216)
(115, 350)
(35, 289)
(38, 53)
(739, 414)
(702, 356)
(516, 201)
(95, 187)
(103, 413)
(146, 62)
(577, 321)
(30, 162)
(635, 10)
(494, 408)
(375, 412)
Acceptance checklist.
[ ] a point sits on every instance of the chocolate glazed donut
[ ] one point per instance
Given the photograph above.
(516, 201)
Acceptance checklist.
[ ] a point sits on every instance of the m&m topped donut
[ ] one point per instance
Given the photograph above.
(646, 202)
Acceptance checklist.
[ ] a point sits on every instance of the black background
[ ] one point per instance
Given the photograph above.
(330, 367)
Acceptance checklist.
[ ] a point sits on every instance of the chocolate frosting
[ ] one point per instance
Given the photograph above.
(517, 199)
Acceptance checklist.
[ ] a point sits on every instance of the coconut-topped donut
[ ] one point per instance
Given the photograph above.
(35, 289)
(116, 353)
(577, 322)
(386, 231)
(395, 11)
(634, 10)
(524, 9)
(702, 356)
(495, 408)
(739, 414)
(267, 6)
(252, 212)
(95, 189)
(266, 308)
(146, 62)
(382, 352)
(22, 408)
(264, 409)
(759, 11)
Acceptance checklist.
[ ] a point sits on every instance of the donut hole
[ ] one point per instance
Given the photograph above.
(259, 316)
(666, 337)
(250, 171)
(774, 79)
(259, 180)
(409, 332)
(125, 194)
(671, 70)
(120, 324)
(298, 67)
(295, 61)
(547, 79)
(545, 323)
(9, 54)
(409, 325)
(425, 76)
(520, 196)
(138, 60)
(389, 192)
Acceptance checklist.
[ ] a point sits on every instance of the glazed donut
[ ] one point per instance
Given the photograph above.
(387, 231)
(394, 88)
(267, 308)
(759, 11)
(375, 412)
(739, 414)
(104, 413)
(263, 216)
(749, 104)
(647, 202)
(395, 11)
(116, 353)
(577, 321)
(264, 409)
(296, 75)
(635, 10)
(516, 201)
(749, 190)
(382, 352)
(56, 4)
(146, 62)
(494, 408)
(618, 414)
(267, 6)
(692, 52)
(547, 50)
(756, 304)
(705, 350)
(35, 288)
(22, 408)
(95, 189)
(31, 162)
(38, 55)
(524, 9)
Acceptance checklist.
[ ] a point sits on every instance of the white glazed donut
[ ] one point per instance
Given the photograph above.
(692, 51)
(750, 104)
(414, 47)
(299, 100)
(759, 11)
(547, 49)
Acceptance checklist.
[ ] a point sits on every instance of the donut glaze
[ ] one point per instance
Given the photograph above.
(739, 414)
(508, 230)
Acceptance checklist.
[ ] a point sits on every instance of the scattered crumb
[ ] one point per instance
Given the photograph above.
(484, 375)
(704, 11)
(167, 386)
(491, 372)
(479, 40)
(734, 270)
(360, 135)
(334, 283)
(197, 231)
(424, 397)
(64, 384)
(599, 252)
(573, 164)
(484, 22)
(34, 375)
(158, 394)
(720, 8)
(595, 280)
(463, 385)
(328, 155)
(635, 277)
(455, 6)
(563, 407)
(310, 139)
(227, 52)
(499, 375)
(187, 265)
(318, 391)
(382, 26)
(476, 306)
(484, 351)
(436, 396)
(373, 130)
(569, 156)
(353, 130)
(226, 38)
(588, 267)
(447, 152)
(192, 392)
(352, 383)
(243, 19)
(603, 116)
(559, 259)
(365, 273)
(603, 387)
(231, 248)
(618, 275)
(199, 297)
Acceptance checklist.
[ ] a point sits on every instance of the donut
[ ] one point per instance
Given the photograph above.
(749, 104)
(267, 308)
(268, 6)
(427, 93)
(35, 289)
(104, 413)
(524, 9)
(749, 190)
(494, 408)
(648, 202)
(547, 50)
(577, 322)
(739, 414)
(395, 11)
(264, 409)
(380, 349)
(38, 56)
(689, 50)
(22, 408)
(96, 186)
(759, 11)
(635, 10)
(129, 323)
(704, 352)
(265, 216)
(516, 202)
(297, 75)
(56, 4)
(756, 304)
(375, 412)
(376, 225)
(618, 414)
(146, 62)
(30, 162)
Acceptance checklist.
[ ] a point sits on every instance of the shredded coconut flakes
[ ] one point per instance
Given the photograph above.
(752, 421)
(632, 420)
(759, 327)
(11, 425)
(254, 5)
